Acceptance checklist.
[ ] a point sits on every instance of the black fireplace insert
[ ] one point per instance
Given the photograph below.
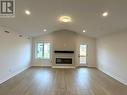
(63, 60)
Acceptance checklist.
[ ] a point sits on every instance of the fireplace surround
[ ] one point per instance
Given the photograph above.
(63, 58)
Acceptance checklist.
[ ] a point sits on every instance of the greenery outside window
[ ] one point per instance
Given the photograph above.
(42, 50)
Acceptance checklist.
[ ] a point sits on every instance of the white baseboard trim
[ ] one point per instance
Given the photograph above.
(12, 75)
(114, 76)
(42, 66)
(86, 66)
(92, 66)
(64, 67)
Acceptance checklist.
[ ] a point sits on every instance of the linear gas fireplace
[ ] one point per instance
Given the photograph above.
(63, 60)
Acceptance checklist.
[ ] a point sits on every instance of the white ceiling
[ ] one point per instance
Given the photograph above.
(86, 14)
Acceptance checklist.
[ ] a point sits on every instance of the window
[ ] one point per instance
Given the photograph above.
(42, 50)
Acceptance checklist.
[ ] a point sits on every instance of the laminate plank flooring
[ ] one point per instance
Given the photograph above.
(48, 81)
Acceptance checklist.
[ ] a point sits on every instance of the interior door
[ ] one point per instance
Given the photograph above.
(83, 55)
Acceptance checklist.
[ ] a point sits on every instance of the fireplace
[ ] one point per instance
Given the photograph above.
(63, 60)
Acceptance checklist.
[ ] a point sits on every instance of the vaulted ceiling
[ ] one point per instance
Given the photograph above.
(86, 14)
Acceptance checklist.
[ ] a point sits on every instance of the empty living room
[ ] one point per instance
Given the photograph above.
(63, 47)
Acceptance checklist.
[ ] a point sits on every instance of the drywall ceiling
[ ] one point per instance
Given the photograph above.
(86, 14)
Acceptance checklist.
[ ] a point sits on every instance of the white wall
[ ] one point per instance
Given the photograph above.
(66, 40)
(15, 54)
(112, 55)
(91, 51)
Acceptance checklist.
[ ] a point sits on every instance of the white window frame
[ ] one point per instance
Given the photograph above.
(36, 44)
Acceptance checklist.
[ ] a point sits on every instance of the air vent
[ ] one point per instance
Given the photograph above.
(20, 35)
(6, 31)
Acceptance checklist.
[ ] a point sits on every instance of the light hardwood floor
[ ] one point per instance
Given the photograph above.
(47, 81)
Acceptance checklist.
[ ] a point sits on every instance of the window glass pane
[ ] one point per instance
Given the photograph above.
(83, 53)
(39, 50)
(46, 50)
(42, 50)
(83, 50)
(82, 60)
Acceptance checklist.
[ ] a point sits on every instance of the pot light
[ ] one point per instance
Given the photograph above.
(105, 14)
(84, 31)
(27, 12)
(65, 19)
(45, 30)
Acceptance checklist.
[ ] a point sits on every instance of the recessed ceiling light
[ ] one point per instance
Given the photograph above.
(65, 19)
(105, 14)
(84, 31)
(27, 12)
(45, 30)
